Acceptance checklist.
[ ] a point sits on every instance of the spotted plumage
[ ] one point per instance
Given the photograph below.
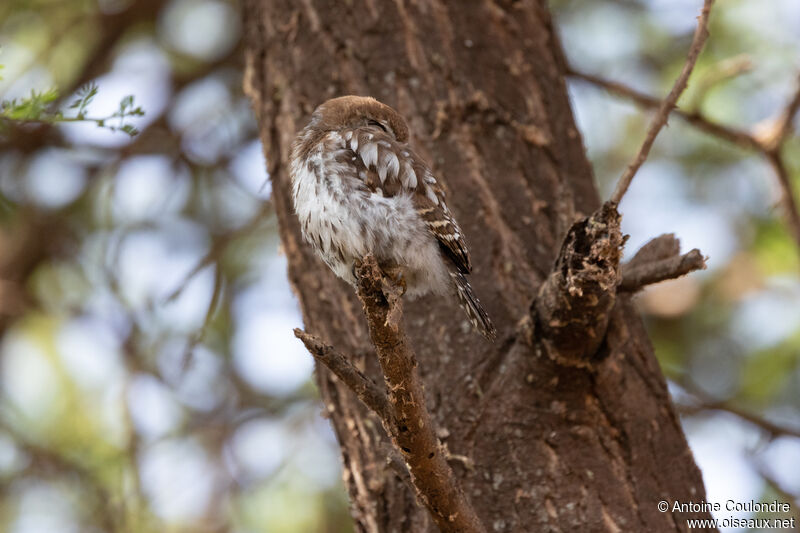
(358, 188)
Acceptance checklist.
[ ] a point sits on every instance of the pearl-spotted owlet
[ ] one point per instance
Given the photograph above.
(359, 189)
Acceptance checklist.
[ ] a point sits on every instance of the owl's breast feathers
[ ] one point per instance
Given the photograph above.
(351, 202)
(358, 188)
(389, 168)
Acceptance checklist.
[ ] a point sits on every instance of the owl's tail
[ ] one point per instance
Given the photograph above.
(472, 306)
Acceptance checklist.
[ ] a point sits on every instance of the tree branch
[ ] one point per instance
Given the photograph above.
(776, 485)
(368, 392)
(573, 306)
(700, 35)
(782, 124)
(396, 463)
(702, 402)
(659, 260)
(44, 461)
(403, 412)
(770, 428)
(735, 136)
(788, 195)
(768, 142)
(111, 28)
(411, 428)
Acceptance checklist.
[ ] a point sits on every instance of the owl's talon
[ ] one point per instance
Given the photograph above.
(396, 275)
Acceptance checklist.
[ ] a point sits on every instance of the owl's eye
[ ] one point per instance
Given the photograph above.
(372, 122)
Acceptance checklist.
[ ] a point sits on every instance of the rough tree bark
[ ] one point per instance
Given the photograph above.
(539, 444)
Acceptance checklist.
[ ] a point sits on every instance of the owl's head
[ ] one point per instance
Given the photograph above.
(359, 111)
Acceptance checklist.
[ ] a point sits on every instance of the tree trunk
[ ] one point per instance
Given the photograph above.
(538, 445)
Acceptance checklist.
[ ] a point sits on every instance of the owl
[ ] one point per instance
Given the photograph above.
(359, 189)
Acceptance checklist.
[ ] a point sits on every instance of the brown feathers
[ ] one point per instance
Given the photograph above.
(358, 188)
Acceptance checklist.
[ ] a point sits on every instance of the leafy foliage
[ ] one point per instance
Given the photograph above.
(39, 108)
(85, 96)
(30, 109)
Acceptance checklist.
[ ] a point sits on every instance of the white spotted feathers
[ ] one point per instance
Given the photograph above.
(358, 188)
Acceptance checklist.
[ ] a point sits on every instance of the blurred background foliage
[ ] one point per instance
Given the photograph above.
(149, 379)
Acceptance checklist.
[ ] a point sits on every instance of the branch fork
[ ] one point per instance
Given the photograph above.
(573, 307)
(574, 304)
(401, 407)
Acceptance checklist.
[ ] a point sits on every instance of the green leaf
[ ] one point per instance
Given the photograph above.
(126, 103)
(49, 96)
(87, 92)
(35, 108)
(130, 130)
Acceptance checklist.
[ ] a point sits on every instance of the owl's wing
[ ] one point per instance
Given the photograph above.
(388, 168)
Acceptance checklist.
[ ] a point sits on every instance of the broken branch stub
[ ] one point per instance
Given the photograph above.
(659, 260)
(572, 309)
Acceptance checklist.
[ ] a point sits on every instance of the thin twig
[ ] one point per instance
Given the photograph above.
(772, 429)
(42, 460)
(776, 485)
(723, 70)
(772, 151)
(733, 135)
(768, 144)
(703, 402)
(785, 119)
(700, 35)
(395, 463)
(219, 245)
(211, 311)
(366, 391)
(788, 194)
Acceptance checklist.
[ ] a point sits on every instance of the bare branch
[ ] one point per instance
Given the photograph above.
(636, 278)
(219, 245)
(772, 429)
(717, 73)
(700, 35)
(735, 136)
(213, 306)
(395, 463)
(404, 414)
(659, 260)
(768, 143)
(45, 461)
(776, 485)
(783, 123)
(702, 402)
(411, 429)
(367, 391)
(664, 246)
(788, 195)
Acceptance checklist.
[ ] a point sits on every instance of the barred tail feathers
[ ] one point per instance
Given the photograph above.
(472, 306)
